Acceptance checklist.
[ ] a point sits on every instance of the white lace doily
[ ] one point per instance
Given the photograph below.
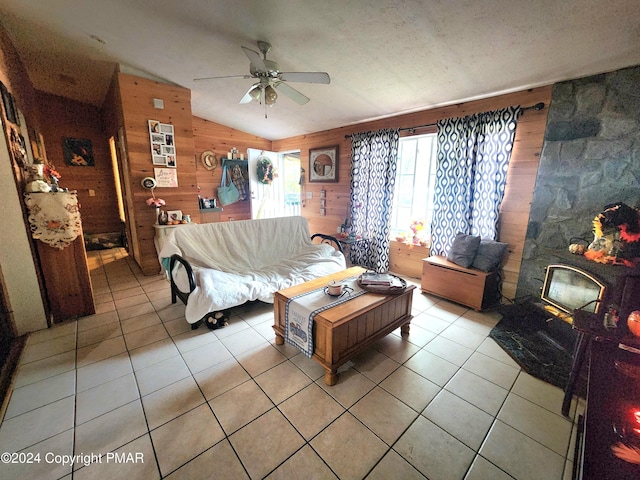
(54, 218)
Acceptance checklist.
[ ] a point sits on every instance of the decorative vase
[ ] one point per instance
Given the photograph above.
(157, 215)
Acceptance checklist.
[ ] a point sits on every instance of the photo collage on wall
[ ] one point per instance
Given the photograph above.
(163, 149)
(163, 153)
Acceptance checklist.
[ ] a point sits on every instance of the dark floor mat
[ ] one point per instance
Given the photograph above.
(541, 349)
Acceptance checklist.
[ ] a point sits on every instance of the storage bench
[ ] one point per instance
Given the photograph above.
(468, 286)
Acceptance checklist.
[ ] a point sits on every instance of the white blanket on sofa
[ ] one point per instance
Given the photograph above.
(236, 262)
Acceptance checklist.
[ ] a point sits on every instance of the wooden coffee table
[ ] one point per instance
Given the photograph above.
(343, 331)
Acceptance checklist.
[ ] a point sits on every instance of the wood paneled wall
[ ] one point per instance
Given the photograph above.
(137, 95)
(80, 120)
(130, 102)
(520, 180)
(219, 139)
(136, 98)
(338, 193)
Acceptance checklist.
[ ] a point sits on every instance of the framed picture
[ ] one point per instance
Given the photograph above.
(163, 149)
(9, 105)
(168, 150)
(18, 147)
(37, 146)
(323, 164)
(78, 152)
(174, 215)
(154, 126)
(166, 177)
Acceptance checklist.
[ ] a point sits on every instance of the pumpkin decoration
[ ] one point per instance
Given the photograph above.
(633, 322)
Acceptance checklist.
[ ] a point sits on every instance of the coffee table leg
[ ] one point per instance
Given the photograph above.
(404, 329)
(279, 339)
(330, 377)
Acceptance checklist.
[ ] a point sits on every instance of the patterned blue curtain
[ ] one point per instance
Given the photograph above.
(374, 158)
(473, 158)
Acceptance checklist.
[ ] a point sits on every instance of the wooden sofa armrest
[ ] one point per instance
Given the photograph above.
(175, 291)
(328, 239)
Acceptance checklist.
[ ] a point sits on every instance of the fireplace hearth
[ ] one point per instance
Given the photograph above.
(543, 343)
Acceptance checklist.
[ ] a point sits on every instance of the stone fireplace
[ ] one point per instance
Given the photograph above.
(590, 158)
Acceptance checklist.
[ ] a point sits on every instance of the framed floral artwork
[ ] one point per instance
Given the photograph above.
(78, 152)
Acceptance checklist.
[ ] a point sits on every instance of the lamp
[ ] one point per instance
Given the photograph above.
(270, 95)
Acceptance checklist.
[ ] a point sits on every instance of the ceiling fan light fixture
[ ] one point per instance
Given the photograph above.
(255, 93)
(271, 81)
(270, 95)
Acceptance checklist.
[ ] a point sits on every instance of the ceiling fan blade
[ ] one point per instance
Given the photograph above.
(306, 77)
(290, 92)
(247, 96)
(226, 76)
(255, 59)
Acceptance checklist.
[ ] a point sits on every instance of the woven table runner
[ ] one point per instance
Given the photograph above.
(301, 310)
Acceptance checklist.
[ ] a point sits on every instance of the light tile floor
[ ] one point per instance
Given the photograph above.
(133, 392)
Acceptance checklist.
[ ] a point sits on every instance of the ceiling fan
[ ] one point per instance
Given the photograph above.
(271, 80)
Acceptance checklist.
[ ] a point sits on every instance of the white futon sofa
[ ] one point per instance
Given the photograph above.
(216, 266)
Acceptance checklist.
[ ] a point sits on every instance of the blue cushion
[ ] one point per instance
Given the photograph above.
(489, 255)
(463, 250)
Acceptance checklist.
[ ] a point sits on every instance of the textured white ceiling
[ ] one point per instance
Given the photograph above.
(384, 57)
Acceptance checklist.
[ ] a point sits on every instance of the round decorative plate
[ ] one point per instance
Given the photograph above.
(209, 160)
(149, 182)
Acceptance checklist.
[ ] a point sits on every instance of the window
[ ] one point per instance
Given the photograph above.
(415, 180)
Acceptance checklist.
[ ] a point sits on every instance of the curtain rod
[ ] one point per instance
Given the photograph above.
(537, 106)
